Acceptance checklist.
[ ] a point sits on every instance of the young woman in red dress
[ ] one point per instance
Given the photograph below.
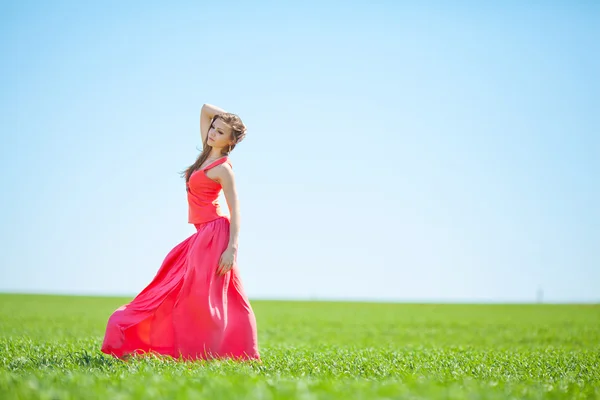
(196, 307)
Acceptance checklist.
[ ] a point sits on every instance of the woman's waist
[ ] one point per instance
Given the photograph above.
(204, 213)
(220, 219)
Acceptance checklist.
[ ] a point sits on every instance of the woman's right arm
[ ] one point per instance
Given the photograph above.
(206, 115)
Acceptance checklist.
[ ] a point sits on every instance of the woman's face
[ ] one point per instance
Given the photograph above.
(219, 135)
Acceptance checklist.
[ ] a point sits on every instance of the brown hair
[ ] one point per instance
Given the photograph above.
(238, 130)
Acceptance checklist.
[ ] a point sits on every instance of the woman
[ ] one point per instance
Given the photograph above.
(195, 307)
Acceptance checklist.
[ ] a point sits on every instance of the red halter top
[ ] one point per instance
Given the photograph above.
(202, 195)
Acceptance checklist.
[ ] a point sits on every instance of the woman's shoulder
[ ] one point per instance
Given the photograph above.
(227, 163)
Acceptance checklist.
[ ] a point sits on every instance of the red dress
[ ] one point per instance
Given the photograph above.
(188, 310)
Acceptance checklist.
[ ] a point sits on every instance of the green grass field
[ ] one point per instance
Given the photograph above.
(49, 349)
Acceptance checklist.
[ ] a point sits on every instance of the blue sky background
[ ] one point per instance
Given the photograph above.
(430, 151)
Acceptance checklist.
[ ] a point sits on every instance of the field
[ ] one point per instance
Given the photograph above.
(49, 349)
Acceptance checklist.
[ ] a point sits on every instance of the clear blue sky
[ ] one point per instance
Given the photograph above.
(439, 151)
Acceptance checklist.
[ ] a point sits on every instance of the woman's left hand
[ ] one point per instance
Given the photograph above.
(226, 261)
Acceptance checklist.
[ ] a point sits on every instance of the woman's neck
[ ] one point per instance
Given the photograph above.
(213, 155)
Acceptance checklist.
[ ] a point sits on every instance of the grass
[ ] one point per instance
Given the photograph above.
(49, 349)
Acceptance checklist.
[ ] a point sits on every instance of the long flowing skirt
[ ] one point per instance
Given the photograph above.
(188, 310)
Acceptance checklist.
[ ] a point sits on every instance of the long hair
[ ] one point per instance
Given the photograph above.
(238, 131)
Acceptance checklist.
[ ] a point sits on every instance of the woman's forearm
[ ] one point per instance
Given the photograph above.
(234, 229)
(210, 111)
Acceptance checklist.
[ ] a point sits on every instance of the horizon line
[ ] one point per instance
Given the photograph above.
(333, 299)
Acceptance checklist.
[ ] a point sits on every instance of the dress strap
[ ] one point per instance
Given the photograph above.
(217, 162)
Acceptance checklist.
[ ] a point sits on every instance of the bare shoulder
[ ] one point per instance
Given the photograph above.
(223, 173)
(226, 166)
